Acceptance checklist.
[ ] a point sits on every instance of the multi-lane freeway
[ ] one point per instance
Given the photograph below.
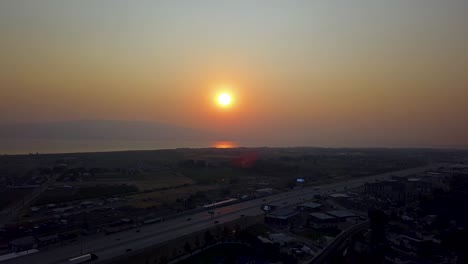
(112, 246)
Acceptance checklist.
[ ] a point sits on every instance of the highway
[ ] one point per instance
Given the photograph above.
(112, 246)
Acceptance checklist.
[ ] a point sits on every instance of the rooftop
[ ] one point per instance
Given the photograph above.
(47, 238)
(339, 195)
(413, 179)
(24, 241)
(341, 213)
(311, 205)
(321, 216)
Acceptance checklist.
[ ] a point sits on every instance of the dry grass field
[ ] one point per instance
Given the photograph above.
(169, 196)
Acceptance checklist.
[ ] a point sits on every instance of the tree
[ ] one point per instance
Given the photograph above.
(226, 233)
(163, 260)
(188, 248)
(237, 230)
(85, 224)
(197, 241)
(209, 239)
(378, 222)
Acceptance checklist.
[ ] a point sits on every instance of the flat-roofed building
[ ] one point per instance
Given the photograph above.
(322, 220)
(399, 188)
(309, 207)
(342, 215)
(23, 243)
(47, 240)
(281, 216)
(275, 205)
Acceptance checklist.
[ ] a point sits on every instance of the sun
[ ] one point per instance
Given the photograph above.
(224, 99)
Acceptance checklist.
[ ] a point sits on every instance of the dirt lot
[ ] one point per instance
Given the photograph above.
(12, 195)
(168, 196)
(147, 183)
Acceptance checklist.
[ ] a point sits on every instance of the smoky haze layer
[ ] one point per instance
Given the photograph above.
(99, 130)
(315, 73)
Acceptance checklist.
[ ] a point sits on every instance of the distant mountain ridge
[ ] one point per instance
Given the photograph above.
(99, 130)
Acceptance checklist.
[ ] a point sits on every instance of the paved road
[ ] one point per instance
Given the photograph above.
(113, 246)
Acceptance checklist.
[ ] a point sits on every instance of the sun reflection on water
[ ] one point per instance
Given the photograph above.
(224, 144)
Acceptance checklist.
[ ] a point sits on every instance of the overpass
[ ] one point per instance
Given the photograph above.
(337, 244)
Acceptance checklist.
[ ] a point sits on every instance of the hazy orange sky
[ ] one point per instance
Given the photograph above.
(319, 73)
